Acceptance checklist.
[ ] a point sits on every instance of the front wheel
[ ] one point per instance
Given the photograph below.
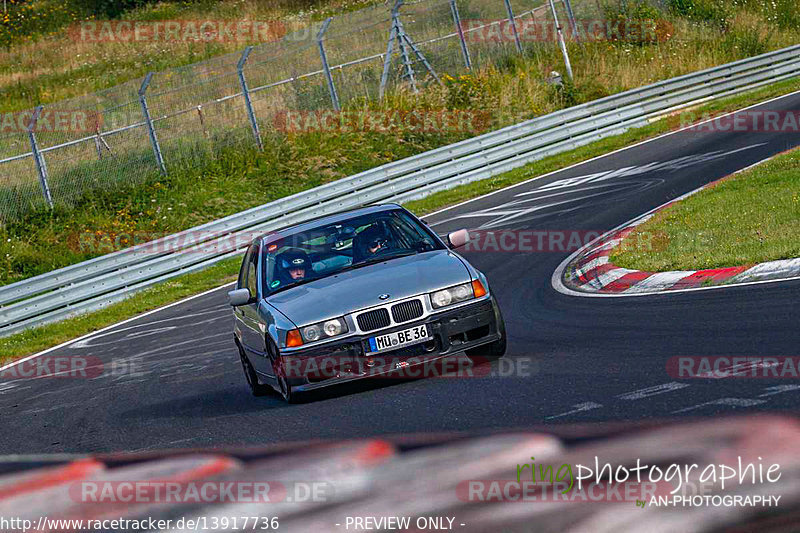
(252, 378)
(284, 382)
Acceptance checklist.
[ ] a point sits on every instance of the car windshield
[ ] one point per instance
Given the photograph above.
(330, 249)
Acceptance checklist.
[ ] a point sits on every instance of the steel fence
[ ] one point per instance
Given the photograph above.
(146, 126)
(99, 282)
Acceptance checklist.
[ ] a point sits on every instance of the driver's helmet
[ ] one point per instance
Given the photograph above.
(290, 260)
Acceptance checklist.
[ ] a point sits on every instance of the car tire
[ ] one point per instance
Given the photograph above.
(496, 349)
(251, 377)
(285, 388)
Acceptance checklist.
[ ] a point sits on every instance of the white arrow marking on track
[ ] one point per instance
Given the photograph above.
(733, 402)
(579, 408)
(778, 389)
(653, 391)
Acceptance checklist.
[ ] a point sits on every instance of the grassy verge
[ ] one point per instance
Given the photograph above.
(744, 219)
(42, 62)
(43, 337)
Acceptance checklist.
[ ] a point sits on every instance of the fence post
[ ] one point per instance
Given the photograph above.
(572, 21)
(38, 158)
(561, 43)
(98, 139)
(97, 146)
(401, 42)
(513, 25)
(246, 93)
(149, 122)
(324, 57)
(387, 59)
(460, 30)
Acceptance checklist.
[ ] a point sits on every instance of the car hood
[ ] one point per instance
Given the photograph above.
(359, 288)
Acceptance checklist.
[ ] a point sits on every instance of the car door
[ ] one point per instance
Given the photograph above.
(238, 312)
(252, 327)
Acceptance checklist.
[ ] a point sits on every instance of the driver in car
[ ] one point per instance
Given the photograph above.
(294, 266)
(374, 240)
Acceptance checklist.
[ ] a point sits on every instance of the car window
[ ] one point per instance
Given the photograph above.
(242, 282)
(252, 276)
(329, 249)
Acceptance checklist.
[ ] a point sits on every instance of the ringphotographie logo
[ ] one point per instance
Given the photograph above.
(192, 31)
(674, 484)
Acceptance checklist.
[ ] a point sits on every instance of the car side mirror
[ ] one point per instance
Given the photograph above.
(458, 238)
(239, 297)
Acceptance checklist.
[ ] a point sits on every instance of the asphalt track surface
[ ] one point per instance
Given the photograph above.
(173, 378)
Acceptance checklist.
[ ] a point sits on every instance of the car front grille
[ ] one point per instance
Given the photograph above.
(371, 320)
(405, 311)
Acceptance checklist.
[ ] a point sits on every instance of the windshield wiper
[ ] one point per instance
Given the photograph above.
(293, 285)
(380, 259)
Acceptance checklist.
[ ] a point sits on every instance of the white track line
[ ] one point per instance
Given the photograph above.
(112, 326)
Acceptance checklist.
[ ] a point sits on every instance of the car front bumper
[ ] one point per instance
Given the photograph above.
(452, 332)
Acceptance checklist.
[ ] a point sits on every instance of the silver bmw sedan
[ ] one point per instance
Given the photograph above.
(364, 293)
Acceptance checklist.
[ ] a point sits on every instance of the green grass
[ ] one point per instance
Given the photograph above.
(747, 218)
(43, 337)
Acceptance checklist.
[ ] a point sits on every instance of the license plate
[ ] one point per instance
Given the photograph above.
(390, 341)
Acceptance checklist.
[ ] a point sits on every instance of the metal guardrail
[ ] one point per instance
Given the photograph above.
(99, 282)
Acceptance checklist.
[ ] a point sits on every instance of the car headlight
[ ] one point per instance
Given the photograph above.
(324, 330)
(453, 295)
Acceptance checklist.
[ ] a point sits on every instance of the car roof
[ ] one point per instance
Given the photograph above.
(327, 219)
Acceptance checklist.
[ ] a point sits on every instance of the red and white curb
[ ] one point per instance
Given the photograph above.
(589, 271)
